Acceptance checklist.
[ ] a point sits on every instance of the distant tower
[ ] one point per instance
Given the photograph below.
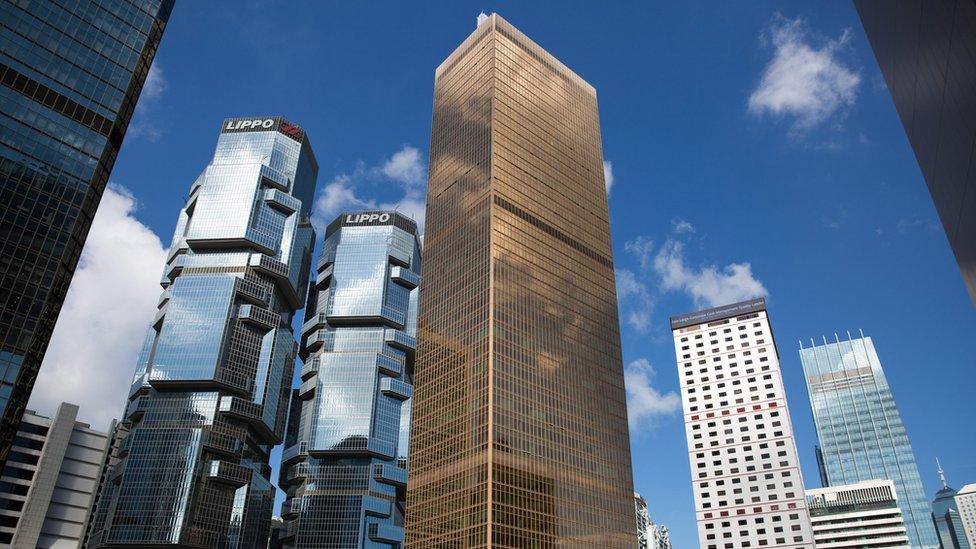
(745, 471)
(845, 380)
(945, 514)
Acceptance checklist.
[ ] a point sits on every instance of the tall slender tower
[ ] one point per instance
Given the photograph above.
(846, 383)
(744, 466)
(212, 384)
(345, 461)
(519, 436)
(70, 76)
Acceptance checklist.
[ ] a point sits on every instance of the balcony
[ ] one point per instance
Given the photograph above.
(136, 409)
(378, 507)
(307, 389)
(178, 247)
(271, 177)
(396, 388)
(323, 277)
(390, 474)
(252, 291)
(385, 533)
(405, 277)
(282, 202)
(229, 473)
(400, 340)
(291, 508)
(391, 365)
(297, 473)
(288, 530)
(295, 451)
(316, 320)
(164, 298)
(310, 368)
(259, 317)
(270, 266)
(222, 440)
(175, 267)
(157, 321)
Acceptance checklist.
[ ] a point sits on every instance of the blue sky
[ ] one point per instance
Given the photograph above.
(754, 150)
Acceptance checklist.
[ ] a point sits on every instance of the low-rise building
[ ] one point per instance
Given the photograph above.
(49, 482)
(863, 515)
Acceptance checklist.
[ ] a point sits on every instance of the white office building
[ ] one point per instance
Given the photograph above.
(48, 485)
(966, 502)
(745, 471)
(864, 515)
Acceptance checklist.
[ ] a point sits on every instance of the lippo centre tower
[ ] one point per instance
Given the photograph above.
(211, 390)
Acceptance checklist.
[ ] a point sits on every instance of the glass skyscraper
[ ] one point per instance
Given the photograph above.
(519, 434)
(860, 431)
(70, 75)
(211, 389)
(345, 460)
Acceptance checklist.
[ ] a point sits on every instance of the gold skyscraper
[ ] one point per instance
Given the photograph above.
(519, 435)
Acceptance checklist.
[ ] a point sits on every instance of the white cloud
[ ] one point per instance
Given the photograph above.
(803, 82)
(344, 192)
(143, 123)
(608, 175)
(680, 226)
(155, 84)
(103, 323)
(642, 248)
(634, 300)
(644, 401)
(709, 286)
(406, 166)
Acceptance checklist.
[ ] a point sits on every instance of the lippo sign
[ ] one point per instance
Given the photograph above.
(237, 125)
(366, 218)
(249, 125)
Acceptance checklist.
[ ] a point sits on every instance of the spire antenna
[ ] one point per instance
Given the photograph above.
(942, 477)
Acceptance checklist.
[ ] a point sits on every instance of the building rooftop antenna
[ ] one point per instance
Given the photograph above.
(945, 484)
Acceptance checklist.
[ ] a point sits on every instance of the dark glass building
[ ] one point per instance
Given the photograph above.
(345, 462)
(927, 53)
(210, 394)
(71, 73)
(945, 514)
(519, 435)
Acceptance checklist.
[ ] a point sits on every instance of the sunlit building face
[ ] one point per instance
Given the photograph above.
(344, 466)
(859, 429)
(519, 434)
(210, 394)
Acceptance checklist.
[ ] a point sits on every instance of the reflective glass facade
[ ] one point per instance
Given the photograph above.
(860, 431)
(945, 514)
(519, 435)
(927, 54)
(212, 384)
(345, 463)
(70, 75)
